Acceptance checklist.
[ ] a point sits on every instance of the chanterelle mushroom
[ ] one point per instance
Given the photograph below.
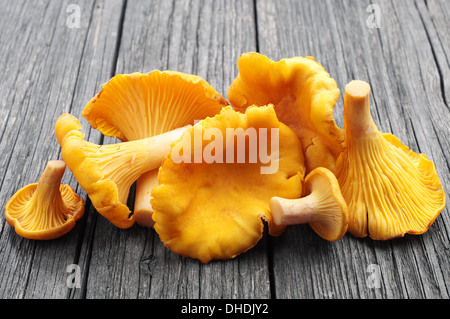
(304, 96)
(322, 206)
(135, 106)
(47, 209)
(106, 172)
(213, 209)
(389, 189)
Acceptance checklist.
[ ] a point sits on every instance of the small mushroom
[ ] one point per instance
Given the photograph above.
(322, 206)
(303, 95)
(389, 189)
(106, 172)
(136, 106)
(214, 209)
(47, 209)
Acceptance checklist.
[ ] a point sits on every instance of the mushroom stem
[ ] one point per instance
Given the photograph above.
(156, 148)
(50, 180)
(125, 162)
(48, 194)
(358, 121)
(322, 206)
(295, 211)
(143, 210)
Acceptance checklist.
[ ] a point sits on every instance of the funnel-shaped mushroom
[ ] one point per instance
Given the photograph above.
(304, 96)
(389, 189)
(322, 206)
(107, 172)
(136, 106)
(47, 209)
(214, 190)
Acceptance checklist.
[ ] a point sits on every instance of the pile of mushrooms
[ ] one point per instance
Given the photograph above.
(207, 198)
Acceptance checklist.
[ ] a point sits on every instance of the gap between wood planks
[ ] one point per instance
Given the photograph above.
(88, 205)
(269, 239)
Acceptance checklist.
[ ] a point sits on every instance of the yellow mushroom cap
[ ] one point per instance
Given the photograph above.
(136, 106)
(322, 206)
(304, 96)
(47, 209)
(66, 123)
(212, 210)
(389, 189)
(106, 172)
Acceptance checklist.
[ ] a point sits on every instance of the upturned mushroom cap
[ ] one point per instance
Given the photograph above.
(106, 172)
(322, 206)
(215, 210)
(389, 189)
(47, 209)
(136, 106)
(303, 95)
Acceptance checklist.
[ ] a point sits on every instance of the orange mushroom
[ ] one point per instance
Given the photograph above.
(389, 189)
(303, 95)
(106, 172)
(213, 195)
(47, 209)
(135, 106)
(322, 206)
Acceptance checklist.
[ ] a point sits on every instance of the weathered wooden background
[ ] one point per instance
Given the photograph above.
(49, 66)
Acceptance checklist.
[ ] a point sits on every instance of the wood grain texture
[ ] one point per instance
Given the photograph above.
(408, 78)
(49, 68)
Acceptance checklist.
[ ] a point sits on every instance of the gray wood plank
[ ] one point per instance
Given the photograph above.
(397, 60)
(47, 67)
(435, 14)
(197, 37)
(425, 72)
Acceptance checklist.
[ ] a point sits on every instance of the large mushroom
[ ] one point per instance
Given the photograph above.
(46, 209)
(106, 172)
(303, 95)
(136, 106)
(389, 189)
(213, 196)
(321, 206)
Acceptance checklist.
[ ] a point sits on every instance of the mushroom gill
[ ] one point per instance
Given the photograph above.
(390, 190)
(106, 172)
(47, 209)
